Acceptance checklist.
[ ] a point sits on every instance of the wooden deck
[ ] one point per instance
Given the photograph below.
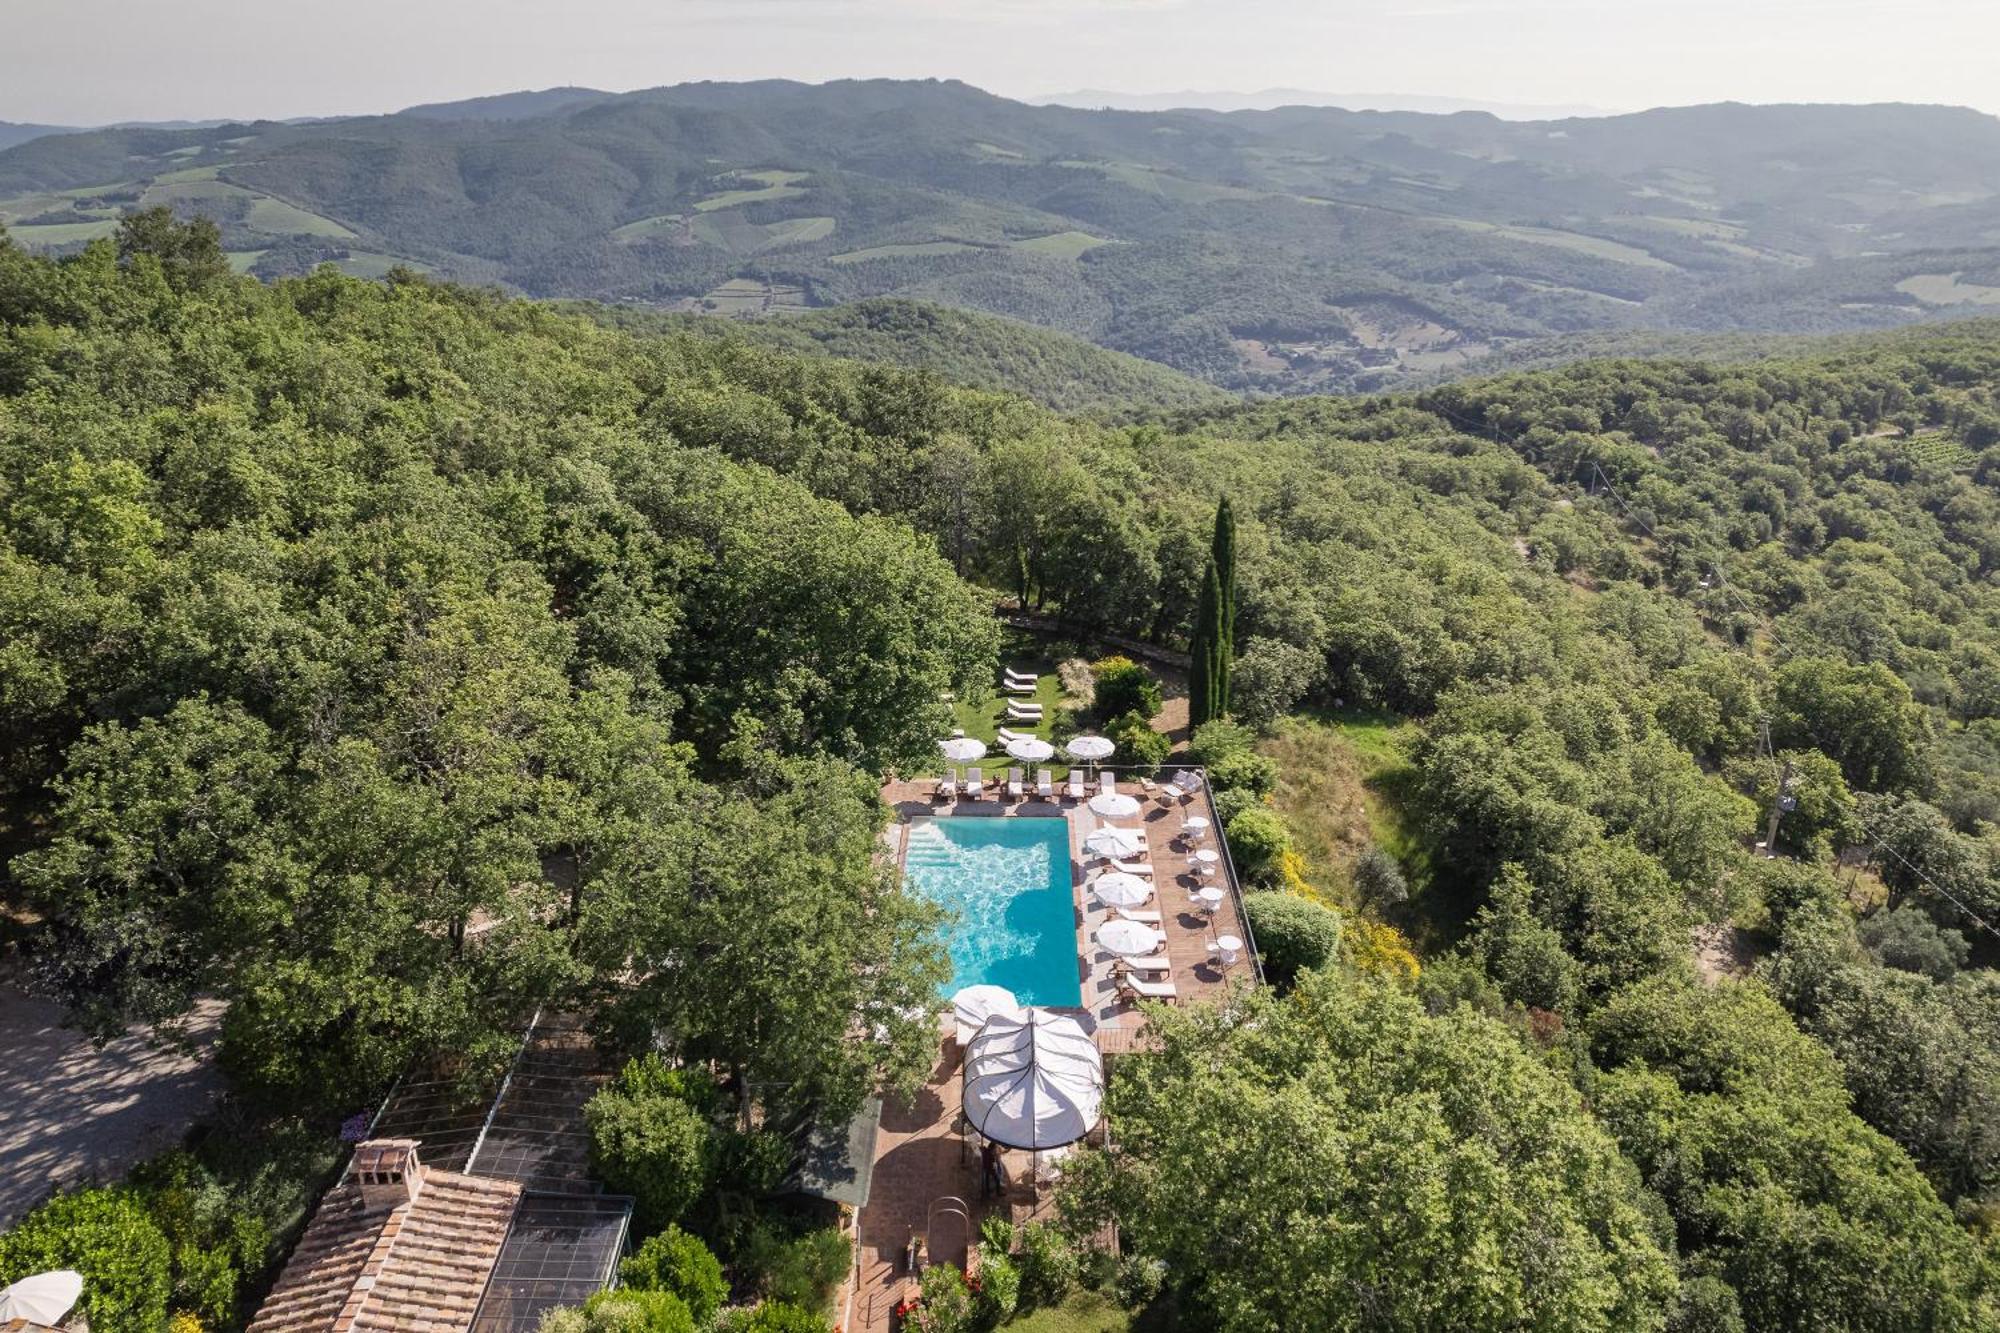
(921, 1156)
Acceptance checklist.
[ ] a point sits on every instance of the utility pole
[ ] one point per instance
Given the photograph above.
(1784, 803)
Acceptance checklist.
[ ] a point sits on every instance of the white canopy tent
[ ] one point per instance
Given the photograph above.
(1090, 749)
(42, 1299)
(1031, 750)
(1114, 805)
(963, 749)
(1034, 1082)
(971, 1007)
(1118, 889)
(1122, 843)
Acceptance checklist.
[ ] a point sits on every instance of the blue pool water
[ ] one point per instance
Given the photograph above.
(1006, 881)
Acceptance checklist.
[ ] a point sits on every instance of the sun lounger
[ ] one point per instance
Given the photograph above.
(947, 787)
(1107, 783)
(1147, 990)
(1012, 676)
(1020, 687)
(1006, 737)
(1045, 786)
(1155, 963)
(1142, 915)
(1023, 716)
(975, 785)
(1130, 867)
(1075, 789)
(1014, 789)
(1016, 706)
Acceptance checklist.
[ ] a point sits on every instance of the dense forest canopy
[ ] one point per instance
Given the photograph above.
(1300, 249)
(388, 658)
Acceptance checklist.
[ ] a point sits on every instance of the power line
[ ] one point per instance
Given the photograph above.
(1722, 580)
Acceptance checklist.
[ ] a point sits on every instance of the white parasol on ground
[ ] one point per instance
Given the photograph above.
(1090, 749)
(1033, 1082)
(1119, 842)
(1128, 938)
(1114, 805)
(971, 1007)
(1119, 889)
(963, 749)
(41, 1299)
(1029, 750)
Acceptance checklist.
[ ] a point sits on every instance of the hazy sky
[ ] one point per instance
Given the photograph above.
(83, 61)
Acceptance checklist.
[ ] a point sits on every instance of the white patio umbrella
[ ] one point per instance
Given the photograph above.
(41, 1299)
(1090, 749)
(1119, 889)
(963, 749)
(1114, 805)
(1033, 1082)
(1029, 750)
(1122, 843)
(1128, 938)
(971, 1007)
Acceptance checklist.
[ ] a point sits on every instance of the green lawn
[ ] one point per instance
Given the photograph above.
(1085, 1312)
(1062, 244)
(983, 717)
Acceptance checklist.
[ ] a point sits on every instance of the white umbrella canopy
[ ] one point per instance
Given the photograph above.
(1033, 1082)
(963, 749)
(1114, 805)
(1118, 842)
(971, 1007)
(1119, 889)
(41, 1299)
(1091, 748)
(1029, 750)
(1128, 938)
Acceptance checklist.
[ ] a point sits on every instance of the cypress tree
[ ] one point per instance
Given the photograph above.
(1203, 697)
(1222, 558)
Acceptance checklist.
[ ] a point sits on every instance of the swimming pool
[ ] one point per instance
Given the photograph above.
(1007, 881)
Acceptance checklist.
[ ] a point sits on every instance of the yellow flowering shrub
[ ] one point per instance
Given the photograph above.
(183, 1322)
(1375, 947)
(1292, 869)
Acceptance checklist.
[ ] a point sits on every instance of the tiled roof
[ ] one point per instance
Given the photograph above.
(419, 1267)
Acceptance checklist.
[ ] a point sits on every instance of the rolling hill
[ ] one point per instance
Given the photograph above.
(1300, 248)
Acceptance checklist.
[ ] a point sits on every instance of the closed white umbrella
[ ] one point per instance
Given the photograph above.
(1119, 889)
(1114, 805)
(1128, 938)
(41, 1299)
(971, 1007)
(1029, 750)
(963, 749)
(1119, 842)
(1089, 748)
(1033, 1082)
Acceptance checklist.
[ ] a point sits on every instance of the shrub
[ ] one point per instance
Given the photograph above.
(1269, 677)
(1139, 746)
(1293, 933)
(1258, 841)
(183, 1322)
(773, 1317)
(652, 1146)
(997, 1235)
(212, 1238)
(1049, 1265)
(1905, 937)
(999, 1288)
(1229, 804)
(755, 1162)
(651, 1076)
(1221, 739)
(1123, 686)
(799, 1270)
(1079, 682)
(107, 1236)
(1244, 772)
(623, 1311)
(947, 1306)
(1379, 879)
(677, 1262)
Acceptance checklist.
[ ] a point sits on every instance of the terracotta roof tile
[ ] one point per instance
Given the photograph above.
(422, 1265)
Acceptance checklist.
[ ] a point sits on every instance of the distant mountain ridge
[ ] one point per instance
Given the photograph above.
(1282, 250)
(1272, 98)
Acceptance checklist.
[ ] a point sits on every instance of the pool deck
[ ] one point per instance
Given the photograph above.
(920, 1156)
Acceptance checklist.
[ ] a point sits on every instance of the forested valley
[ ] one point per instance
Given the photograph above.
(390, 659)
